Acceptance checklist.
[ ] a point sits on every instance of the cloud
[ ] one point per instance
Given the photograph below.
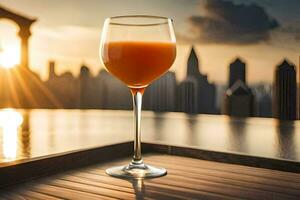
(294, 31)
(227, 22)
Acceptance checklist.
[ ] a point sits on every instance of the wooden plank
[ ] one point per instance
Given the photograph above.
(11, 196)
(229, 175)
(148, 185)
(39, 196)
(97, 183)
(24, 193)
(66, 193)
(108, 184)
(211, 165)
(237, 168)
(212, 187)
(89, 188)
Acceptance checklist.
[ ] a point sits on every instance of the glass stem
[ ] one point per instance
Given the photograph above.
(137, 109)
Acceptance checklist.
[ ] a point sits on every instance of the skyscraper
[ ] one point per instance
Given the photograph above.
(285, 91)
(206, 91)
(237, 71)
(161, 94)
(112, 92)
(188, 96)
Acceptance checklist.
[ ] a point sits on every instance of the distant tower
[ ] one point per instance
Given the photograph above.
(237, 71)
(52, 70)
(206, 92)
(285, 90)
(239, 100)
(188, 96)
(193, 64)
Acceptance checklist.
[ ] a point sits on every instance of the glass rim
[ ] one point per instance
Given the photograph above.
(165, 20)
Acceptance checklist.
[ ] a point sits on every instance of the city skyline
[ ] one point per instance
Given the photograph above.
(50, 34)
(194, 94)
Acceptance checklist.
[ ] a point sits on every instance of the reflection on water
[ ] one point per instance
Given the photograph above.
(34, 133)
(10, 121)
(285, 132)
(237, 134)
(158, 123)
(192, 135)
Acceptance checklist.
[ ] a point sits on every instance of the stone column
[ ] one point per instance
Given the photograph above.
(24, 35)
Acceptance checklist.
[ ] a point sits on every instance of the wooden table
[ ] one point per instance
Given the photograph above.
(61, 154)
(187, 178)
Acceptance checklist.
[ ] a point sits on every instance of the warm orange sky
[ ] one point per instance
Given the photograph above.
(69, 31)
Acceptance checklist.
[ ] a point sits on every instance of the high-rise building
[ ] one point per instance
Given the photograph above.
(237, 71)
(285, 91)
(187, 100)
(161, 94)
(113, 94)
(239, 100)
(206, 91)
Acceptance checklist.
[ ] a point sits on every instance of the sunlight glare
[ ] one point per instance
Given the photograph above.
(9, 57)
(10, 120)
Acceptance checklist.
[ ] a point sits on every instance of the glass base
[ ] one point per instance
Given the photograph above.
(136, 171)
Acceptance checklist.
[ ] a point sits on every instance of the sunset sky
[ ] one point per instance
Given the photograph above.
(68, 31)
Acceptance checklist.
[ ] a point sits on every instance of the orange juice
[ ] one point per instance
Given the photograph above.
(137, 64)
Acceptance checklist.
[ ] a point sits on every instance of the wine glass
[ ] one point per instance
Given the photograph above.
(137, 49)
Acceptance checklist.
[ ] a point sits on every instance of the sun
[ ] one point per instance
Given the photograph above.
(9, 57)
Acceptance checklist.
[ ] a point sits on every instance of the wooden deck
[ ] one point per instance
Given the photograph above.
(187, 178)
